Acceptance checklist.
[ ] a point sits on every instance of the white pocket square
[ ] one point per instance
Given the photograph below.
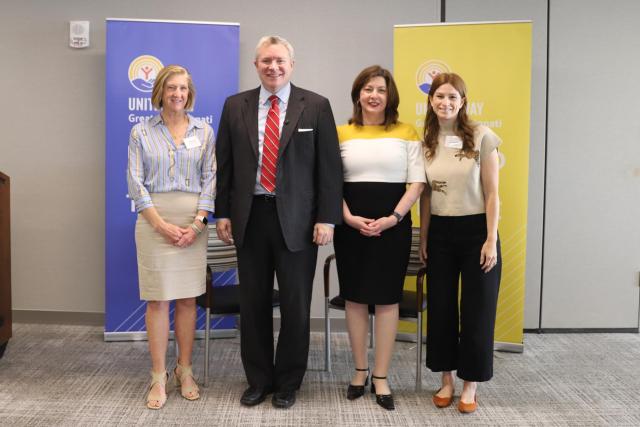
(305, 130)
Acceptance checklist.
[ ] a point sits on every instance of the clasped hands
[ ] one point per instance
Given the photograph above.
(371, 227)
(178, 236)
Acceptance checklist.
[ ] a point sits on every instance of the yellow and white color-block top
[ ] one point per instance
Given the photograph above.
(376, 154)
(456, 187)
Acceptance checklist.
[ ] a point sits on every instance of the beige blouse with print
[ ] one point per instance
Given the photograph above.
(455, 178)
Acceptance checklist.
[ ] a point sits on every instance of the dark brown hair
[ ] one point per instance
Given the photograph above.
(393, 98)
(464, 127)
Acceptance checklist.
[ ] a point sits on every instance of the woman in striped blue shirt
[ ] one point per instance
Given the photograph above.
(171, 178)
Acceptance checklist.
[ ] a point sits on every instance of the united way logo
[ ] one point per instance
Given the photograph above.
(427, 72)
(143, 71)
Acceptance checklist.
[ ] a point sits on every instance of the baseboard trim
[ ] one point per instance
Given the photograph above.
(97, 319)
(317, 325)
(58, 317)
(336, 324)
(583, 331)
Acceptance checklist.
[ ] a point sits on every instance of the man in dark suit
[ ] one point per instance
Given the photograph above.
(279, 194)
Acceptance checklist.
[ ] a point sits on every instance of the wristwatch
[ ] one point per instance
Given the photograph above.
(398, 216)
(203, 219)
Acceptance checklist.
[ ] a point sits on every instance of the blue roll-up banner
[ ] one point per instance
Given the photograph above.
(136, 51)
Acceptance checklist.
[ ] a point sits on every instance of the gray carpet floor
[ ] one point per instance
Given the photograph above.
(66, 375)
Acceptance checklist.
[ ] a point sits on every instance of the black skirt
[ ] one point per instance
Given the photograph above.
(371, 270)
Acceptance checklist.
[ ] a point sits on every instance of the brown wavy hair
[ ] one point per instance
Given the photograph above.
(464, 126)
(393, 98)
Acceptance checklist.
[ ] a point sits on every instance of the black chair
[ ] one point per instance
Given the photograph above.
(412, 306)
(221, 300)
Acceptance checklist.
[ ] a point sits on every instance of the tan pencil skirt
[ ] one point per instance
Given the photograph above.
(166, 272)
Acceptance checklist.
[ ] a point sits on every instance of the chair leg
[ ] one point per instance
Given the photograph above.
(207, 337)
(327, 337)
(176, 348)
(419, 353)
(372, 331)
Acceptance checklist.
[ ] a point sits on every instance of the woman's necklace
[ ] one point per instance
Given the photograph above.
(177, 131)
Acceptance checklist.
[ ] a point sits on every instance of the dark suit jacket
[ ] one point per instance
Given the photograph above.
(309, 170)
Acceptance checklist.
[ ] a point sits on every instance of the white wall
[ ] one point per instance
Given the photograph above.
(592, 238)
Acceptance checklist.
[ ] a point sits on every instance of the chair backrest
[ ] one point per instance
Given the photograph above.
(414, 256)
(220, 256)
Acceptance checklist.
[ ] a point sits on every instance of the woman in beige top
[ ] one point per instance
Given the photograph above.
(459, 239)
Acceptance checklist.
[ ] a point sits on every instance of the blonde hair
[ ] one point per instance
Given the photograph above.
(269, 40)
(165, 74)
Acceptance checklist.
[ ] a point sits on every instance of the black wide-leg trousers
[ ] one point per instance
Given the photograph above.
(460, 338)
(262, 254)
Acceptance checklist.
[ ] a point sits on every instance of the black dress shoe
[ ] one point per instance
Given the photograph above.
(384, 400)
(284, 399)
(254, 395)
(356, 391)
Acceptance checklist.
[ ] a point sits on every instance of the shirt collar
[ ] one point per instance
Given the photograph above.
(282, 94)
(155, 120)
(193, 121)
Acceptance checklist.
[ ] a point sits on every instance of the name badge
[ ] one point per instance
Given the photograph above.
(191, 142)
(452, 141)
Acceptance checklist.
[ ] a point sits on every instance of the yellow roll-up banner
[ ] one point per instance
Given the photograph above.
(494, 59)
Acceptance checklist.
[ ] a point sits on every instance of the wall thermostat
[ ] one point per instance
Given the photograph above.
(79, 34)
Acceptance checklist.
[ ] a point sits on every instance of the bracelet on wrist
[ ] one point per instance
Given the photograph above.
(397, 216)
(195, 228)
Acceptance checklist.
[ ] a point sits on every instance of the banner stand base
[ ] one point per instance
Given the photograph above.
(508, 347)
(142, 335)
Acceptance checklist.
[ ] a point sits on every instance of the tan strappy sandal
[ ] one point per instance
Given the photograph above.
(181, 375)
(159, 378)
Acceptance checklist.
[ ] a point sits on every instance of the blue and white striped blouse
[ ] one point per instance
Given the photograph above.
(156, 165)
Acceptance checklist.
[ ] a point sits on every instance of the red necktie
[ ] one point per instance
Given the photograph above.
(270, 146)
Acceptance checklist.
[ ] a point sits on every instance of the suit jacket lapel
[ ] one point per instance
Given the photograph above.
(250, 115)
(294, 110)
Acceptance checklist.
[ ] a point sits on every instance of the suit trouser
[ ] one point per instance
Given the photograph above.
(264, 252)
(460, 338)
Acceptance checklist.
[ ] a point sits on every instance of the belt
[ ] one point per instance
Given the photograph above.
(269, 198)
